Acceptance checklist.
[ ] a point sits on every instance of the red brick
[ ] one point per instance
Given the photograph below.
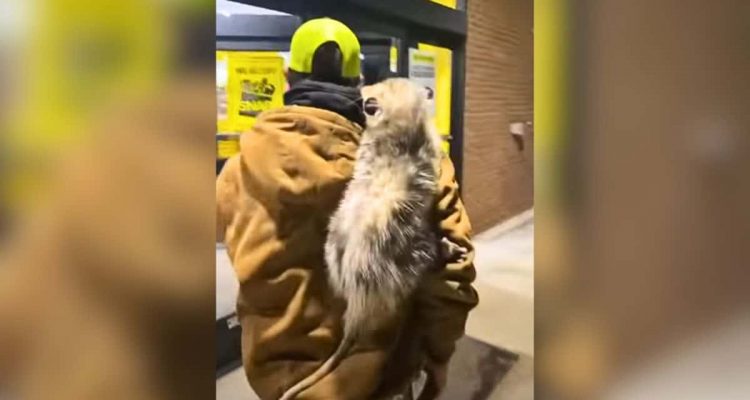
(498, 177)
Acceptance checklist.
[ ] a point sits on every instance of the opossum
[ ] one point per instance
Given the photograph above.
(382, 238)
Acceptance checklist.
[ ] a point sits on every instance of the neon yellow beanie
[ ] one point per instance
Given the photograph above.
(313, 33)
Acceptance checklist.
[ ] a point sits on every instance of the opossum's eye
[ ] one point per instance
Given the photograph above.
(370, 106)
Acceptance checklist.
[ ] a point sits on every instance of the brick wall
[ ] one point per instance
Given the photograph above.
(498, 170)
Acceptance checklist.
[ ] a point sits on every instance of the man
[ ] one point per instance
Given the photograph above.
(274, 200)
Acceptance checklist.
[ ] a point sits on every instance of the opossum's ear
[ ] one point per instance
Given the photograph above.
(429, 94)
(371, 106)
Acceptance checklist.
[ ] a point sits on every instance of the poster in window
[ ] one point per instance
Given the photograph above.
(256, 84)
(422, 71)
(247, 83)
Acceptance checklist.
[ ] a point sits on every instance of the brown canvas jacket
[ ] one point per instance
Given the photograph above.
(274, 200)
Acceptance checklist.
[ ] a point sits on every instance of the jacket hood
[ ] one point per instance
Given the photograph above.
(299, 155)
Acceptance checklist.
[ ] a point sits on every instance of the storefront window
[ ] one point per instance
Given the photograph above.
(252, 55)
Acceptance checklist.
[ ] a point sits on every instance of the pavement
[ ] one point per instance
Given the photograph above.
(495, 360)
(504, 318)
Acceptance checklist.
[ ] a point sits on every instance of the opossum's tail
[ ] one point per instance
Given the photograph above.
(328, 366)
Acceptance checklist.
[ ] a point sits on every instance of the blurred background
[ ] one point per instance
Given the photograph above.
(641, 198)
(107, 112)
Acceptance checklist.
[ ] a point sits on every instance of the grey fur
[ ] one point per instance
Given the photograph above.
(382, 237)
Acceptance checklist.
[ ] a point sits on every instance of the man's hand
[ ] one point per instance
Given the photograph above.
(452, 252)
(437, 376)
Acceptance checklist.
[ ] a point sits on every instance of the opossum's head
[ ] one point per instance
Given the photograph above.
(396, 106)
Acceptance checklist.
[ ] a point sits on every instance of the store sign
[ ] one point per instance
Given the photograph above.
(431, 68)
(247, 83)
(422, 71)
(256, 84)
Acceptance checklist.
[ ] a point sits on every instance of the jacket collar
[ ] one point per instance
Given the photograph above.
(343, 100)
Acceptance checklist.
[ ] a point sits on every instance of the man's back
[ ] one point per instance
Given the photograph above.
(274, 202)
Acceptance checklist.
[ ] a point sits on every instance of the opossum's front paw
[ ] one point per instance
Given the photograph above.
(451, 251)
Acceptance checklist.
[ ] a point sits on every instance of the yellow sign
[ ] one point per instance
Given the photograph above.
(247, 83)
(446, 146)
(227, 146)
(394, 59)
(442, 59)
(446, 3)
(252, 83)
